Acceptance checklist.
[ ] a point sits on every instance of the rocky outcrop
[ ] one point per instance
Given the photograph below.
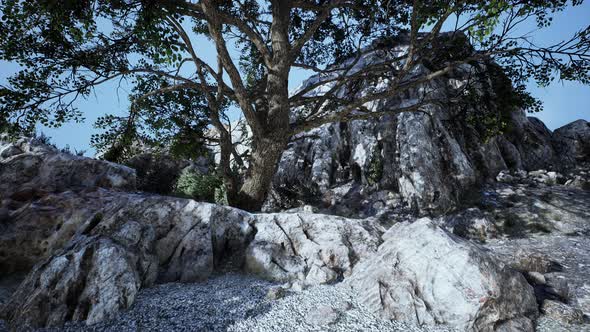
(424, 275)
(434, 159)
(309, 249)
(91, 280)
(572, 142)
(30, 169)
(95, 249)
(527, 144)
(471, 224)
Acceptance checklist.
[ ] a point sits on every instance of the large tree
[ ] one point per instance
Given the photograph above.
(68, 47)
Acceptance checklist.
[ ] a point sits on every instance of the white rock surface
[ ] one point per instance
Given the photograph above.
(310, 248)
(426, 276)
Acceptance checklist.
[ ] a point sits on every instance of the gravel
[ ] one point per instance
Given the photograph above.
(234, 302)
(321, 308)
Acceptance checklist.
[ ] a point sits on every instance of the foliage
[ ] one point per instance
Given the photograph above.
(173, 122)
(198, 186)
(375, 171)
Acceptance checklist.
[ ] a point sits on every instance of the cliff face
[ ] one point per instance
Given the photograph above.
(427, 161)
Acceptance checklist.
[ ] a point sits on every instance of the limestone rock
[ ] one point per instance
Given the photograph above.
(128, 240)
(426, 276)
(433, 159)
(113, 244)
(572, 142)
(310, 248)
(562, 312)
(534, 261)
(505, 177)
(89, 280)
(472, 224)
(30, 169)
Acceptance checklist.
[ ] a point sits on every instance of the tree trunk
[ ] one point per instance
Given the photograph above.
(271, 139)
(264, 162)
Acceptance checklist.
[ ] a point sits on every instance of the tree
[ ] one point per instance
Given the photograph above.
(68, 47)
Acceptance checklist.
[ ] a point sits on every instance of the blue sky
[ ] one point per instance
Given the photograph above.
(564, 102)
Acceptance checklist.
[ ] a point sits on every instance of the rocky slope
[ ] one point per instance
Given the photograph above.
(83, 248)
(428, 162)
(426, 223)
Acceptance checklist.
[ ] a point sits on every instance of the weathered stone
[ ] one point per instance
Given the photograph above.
(41, 169)
(533, 209)
(133, 238)
(562, 312)
(568, 282)
(322, 316)
(89, 280)
(426, 276)
(536, 278)
(505, 177)
(276, 293)
(472, 224)
(433, 158)
(310, 248)
(8, 151)
(534, 261)
(572, 142)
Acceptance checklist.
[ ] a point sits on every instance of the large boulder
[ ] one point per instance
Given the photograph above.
(572, 142)
(90, 280)
(527, 144)
(187, 232)
(29, 169)
(433, 158)
(434, 170)
(425, 275)
(91, 251)
(97, 249)
(309, 248)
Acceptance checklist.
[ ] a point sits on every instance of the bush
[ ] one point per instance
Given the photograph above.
(198, 186)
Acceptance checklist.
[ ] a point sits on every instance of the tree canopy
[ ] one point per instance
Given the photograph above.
(68, 47)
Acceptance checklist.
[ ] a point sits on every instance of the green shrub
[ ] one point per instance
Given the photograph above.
(375, 171)
(198, 186)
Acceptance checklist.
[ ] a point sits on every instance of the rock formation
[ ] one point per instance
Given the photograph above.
(425, 275)
(91, 250)
(505, 247)
(432, 159)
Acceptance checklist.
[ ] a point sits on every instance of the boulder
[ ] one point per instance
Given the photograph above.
(309, 248)
(434, 159)
(30, 169)
(572, 142)
(90, 280)
(579, 182)
(425, 149)
(533, 261)
(471, 224)
(425, 275)
(97, 249)
(505, 177)
(562, 312)
(533, 141)
(94, 250)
